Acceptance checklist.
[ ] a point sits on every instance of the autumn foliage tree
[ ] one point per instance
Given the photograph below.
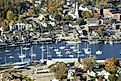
(89, 63)
(60, 70)
(111, 65)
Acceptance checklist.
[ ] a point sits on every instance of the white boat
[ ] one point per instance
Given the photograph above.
(111, 42)
(44, 50)
(68, 52)
(22, 56)
(62, 47)
(73, 42)
(71, 56)
(98, 52)
(32, 54)
(79, 52)
(25, 48)
(11, 57)
(13, 45)
(87, 50)
(75, 50)
(51, 47)
(56, 50)
(73, 47)
(20, 65)
(7, 50)
(59, 55)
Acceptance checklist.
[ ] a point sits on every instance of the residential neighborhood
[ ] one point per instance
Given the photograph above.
(60, 40)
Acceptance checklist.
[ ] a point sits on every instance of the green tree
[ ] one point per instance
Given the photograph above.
(111, 65)
(10, 15)
(60, 70)
(119, 77)
(54, 5)
(112, 77)
(87, 14)
(102, 2)
(89, 63)
(68, 17)
(100, 31)
(80, 21)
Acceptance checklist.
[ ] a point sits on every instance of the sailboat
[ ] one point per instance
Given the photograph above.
(32, 54)
(87, 50)
(7, 50)
(22, 56)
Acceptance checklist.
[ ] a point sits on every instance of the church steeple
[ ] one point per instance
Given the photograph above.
(76, 10)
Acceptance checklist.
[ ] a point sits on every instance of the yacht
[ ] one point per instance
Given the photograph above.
(98, 52)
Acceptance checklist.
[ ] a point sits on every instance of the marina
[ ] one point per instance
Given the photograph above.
(61, 50)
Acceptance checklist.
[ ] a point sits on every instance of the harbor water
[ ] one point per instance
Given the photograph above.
(10, 54)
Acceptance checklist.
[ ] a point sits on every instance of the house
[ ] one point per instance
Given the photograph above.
(110, 13)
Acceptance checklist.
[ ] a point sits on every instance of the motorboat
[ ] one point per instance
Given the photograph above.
(75, 50)
(11, 57)
(7, 50)
(73, 47)
(98, 52)
(62, 47)
(71, 56)
(87, 51)
(56, 50)
(22, 56)
(25, 48)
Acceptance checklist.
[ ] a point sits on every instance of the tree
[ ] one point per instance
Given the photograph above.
(102, 2)
(89, 63)
(80, 21)
(68, 17)
(111, 65)
(87, 14)
(10, 15)
(84, 2)
(54, 5)
(60, 70)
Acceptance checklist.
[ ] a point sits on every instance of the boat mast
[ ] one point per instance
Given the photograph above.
(42, 59)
